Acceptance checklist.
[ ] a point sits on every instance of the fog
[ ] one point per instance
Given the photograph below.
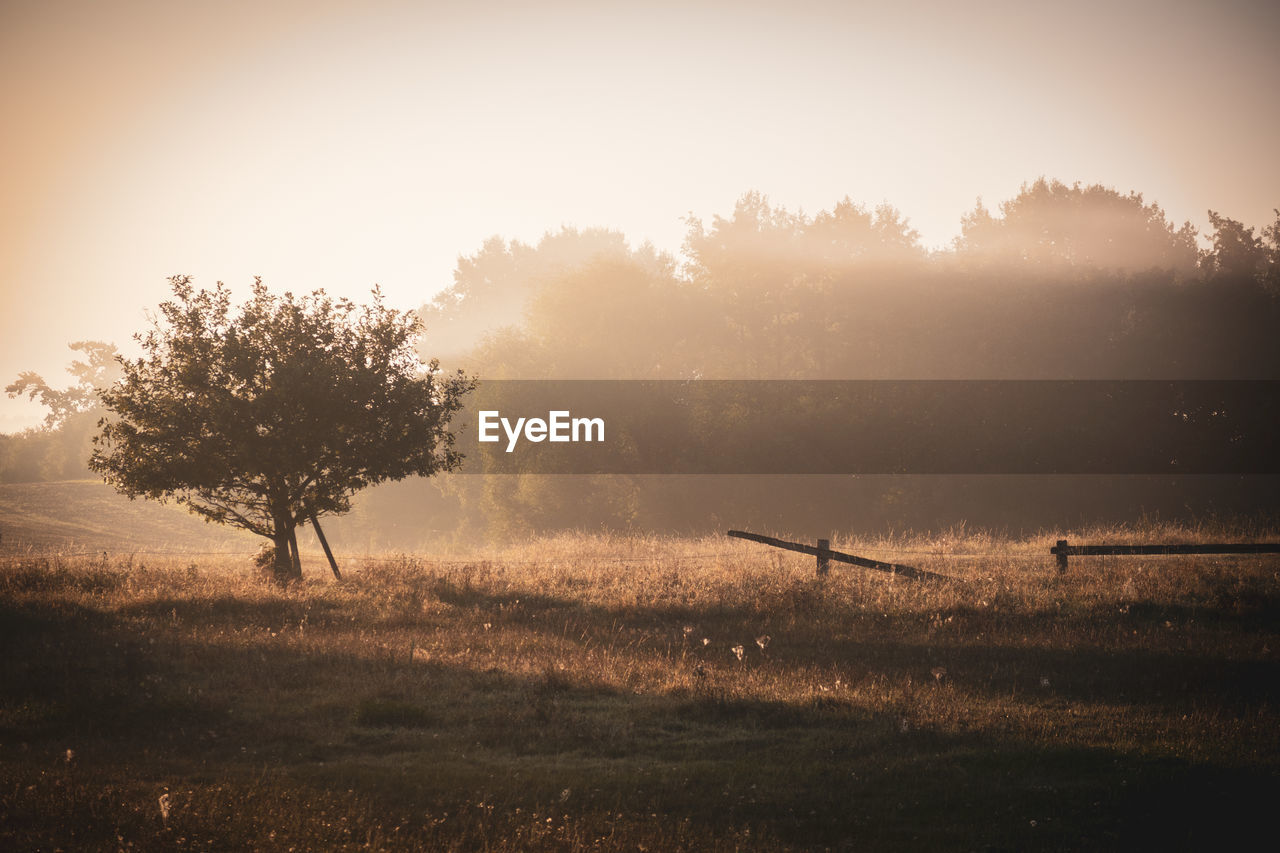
(1060, 282)
(660, 191)
(340, 145)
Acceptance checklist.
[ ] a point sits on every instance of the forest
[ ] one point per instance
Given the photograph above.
(1061, 282)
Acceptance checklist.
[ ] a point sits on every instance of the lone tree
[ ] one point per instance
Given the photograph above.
(278, 415)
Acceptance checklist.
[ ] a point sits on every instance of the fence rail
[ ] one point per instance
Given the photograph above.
(825, 555)
(1063, 550)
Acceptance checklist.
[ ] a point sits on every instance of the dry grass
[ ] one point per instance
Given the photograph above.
(90, 515)
(643, 693)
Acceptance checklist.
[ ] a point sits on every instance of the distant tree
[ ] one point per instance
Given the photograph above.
(783, 282)
(60, 448)
(97, 371)
(849, 234)
(616, 317)
(26, 457)
(1054, 225)
(1271, 237)
(492, 289)
(278, 414)
(1236, 252)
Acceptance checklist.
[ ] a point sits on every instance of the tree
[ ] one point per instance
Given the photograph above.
(492, 289)
(60, 449)
(277, 415)
(781, 279)
(1055, 226)
(97, 371)
(1236, 253)
(1271, 236)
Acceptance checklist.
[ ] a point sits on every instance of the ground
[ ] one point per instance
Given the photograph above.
(636, 692)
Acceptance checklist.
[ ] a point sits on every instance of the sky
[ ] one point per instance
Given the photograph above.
(347, 144)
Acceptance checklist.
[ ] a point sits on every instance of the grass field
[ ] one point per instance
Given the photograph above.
(89, 515)
(597, 692)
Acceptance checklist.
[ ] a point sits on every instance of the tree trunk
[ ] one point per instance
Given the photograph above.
(282, 568)
(287, 567)
(293, 553)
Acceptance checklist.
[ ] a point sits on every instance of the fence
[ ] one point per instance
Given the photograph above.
(1063, 550)
(822, 552)
(825, 555)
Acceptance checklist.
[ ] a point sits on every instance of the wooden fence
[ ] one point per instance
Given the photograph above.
(1063, 550)
(825, 556)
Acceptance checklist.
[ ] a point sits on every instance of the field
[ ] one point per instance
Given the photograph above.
(90, 515)
(602, 692)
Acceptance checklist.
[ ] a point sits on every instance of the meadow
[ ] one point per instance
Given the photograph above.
(594, 691)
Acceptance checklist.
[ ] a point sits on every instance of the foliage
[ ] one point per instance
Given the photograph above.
(777, 282)
(1236, 252)
(1051, 224)
(42, 454)
(284, 411)
(60, 449)
(492, 288)
(98, 371)
(1063, 281)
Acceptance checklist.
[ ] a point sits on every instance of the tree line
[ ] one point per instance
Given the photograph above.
(1060, 282)
(1067, 282)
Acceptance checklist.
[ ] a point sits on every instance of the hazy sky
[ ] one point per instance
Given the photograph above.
(339, 144)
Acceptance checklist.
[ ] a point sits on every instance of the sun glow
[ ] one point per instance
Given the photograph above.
(340, 145)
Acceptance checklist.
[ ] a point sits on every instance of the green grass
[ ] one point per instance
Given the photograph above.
(584, 692)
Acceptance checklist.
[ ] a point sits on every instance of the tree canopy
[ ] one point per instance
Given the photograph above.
(96, 371)
(277, 414)
(1055, 225)
(1062, 281)
(60, 448)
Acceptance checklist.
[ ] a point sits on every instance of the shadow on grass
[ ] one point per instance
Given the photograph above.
(413, 737)
(513, 605)
(902, 649)
(233, 610)
(73, 672)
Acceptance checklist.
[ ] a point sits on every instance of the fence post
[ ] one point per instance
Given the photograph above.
(324, 543)
(824, 556)
(1061, 551)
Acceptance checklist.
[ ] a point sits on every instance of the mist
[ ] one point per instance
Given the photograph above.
(1060, 282)
(343, 145)
(1077, 282)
